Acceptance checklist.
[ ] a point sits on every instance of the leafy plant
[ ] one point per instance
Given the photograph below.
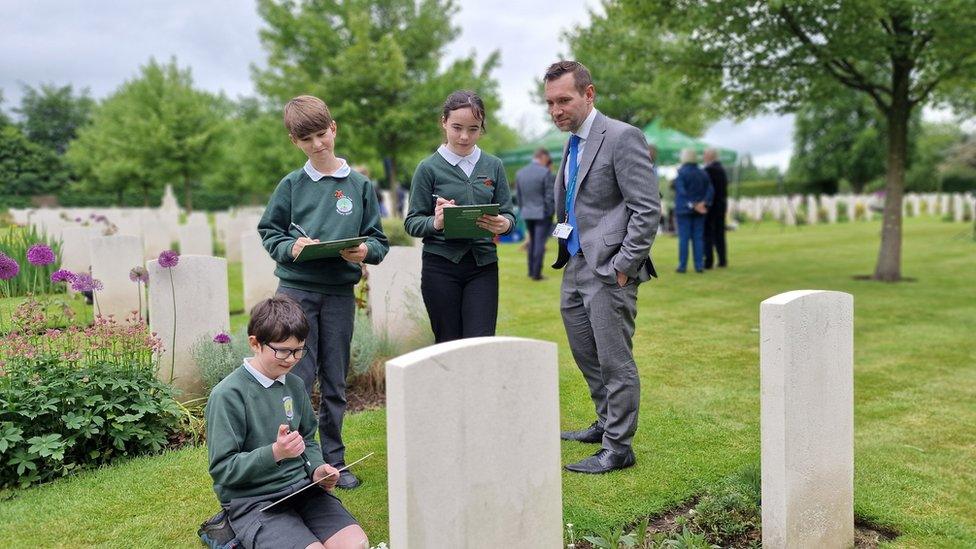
(58, 416)
(216, 359)
(31, 278)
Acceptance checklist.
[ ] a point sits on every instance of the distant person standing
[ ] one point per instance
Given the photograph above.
(534, 188)
(692, 197)
(715, 218)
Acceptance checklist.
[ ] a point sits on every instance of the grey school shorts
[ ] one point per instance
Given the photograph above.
(312, 516)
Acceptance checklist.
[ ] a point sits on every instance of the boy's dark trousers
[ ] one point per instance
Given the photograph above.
(330, 322)
(461, 299)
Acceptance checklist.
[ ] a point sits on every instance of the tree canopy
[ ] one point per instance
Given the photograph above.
(377, 64)
(155, 129)
(778, 55)
(632, 82)
(51, 115)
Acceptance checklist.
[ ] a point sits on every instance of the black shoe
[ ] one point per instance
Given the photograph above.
(591, 435)
(604, 461)
(348, 481)
(681, 271)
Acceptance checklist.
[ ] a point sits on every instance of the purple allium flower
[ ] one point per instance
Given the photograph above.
(77, 220)
(40, 254)
(168, 259)
(85, 283)
(139, 274)
(222, 338)
(8, 267)
(62, 275)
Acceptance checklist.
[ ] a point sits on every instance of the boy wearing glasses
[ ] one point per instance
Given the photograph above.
(261, 442)
(323, 200)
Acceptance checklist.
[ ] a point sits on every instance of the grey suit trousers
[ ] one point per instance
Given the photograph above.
(599, 320)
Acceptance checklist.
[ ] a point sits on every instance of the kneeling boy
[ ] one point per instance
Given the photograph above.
(261, 443)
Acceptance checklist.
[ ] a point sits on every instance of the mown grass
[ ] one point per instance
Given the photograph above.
(697, 350)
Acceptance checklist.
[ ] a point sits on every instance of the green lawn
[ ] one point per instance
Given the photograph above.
(697, 349)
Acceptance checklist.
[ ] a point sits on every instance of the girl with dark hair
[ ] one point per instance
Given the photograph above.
(459, 277)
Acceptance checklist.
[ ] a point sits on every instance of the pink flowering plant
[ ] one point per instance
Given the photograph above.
(80, 396)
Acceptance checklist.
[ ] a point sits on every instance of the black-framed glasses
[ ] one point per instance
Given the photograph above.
(282, 354)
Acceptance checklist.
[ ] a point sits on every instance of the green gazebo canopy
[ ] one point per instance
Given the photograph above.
(668, 142)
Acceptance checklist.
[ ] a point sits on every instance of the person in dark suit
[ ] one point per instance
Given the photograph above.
(692, 198)
(715, 218)
(534, 188)
(608, 203)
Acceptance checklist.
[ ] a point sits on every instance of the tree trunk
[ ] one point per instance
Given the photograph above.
(187, 197)
(888, 268)
(396, 208)
(145, 196)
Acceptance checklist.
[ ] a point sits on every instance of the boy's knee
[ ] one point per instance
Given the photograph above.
(350, 537)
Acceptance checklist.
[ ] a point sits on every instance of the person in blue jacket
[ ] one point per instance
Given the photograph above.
(693, 194)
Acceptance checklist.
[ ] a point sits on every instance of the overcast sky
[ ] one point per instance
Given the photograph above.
(100, 44)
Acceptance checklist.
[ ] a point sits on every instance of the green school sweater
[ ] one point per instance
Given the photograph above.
(328, 209)
(486, 185)
(242, 423)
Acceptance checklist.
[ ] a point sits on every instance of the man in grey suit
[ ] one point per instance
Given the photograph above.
(533, 185)
(609, 207)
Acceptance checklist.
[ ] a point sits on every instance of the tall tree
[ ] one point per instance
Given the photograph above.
(633, 84)
(839, 138)
(780, 54)
(155, 129)
(51, 115)
(27, 168)
(376, 63)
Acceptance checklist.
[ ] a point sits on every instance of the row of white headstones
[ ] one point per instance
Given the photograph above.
(814, 209)
(473, 444)
(472, 436)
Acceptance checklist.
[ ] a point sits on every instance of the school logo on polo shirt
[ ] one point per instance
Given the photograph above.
(343, 203)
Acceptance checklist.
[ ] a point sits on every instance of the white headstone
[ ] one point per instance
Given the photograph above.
(235, 228)
(944, 203)
(75, 251)
(488, 475)
(829, 203)
(807, 419)
(196, 240)
(257, 270)
(169, 200)
(958, 208)
(813, 211)
(199, 285)
(931, 204)
(112, 258)
(197, 218)
(395, 304)
(789, 212)
(155, 235)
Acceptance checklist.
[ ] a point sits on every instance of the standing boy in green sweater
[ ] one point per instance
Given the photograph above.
(261, 443)
(324, 200)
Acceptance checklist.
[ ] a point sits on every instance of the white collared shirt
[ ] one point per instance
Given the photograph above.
(264, 380)
(316, 175)
(466, 163)
(582, 133)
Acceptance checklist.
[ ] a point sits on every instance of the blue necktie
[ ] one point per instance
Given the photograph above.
(572, 243)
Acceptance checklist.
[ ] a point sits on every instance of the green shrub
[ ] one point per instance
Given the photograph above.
(57, 416)
(216, 360)
(958, 180)
(394, 231)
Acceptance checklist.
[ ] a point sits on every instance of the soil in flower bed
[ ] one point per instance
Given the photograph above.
(866, 536)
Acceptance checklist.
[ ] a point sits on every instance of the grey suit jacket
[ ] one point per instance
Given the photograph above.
(533, 184)
(617, 203)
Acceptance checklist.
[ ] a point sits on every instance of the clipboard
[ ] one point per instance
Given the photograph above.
(459, 221)
(327, 249)
(273, 504)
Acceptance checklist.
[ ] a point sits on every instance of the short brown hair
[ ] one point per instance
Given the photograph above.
(464, 99)
(276, 319)
(581, 74)
(305, 115)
